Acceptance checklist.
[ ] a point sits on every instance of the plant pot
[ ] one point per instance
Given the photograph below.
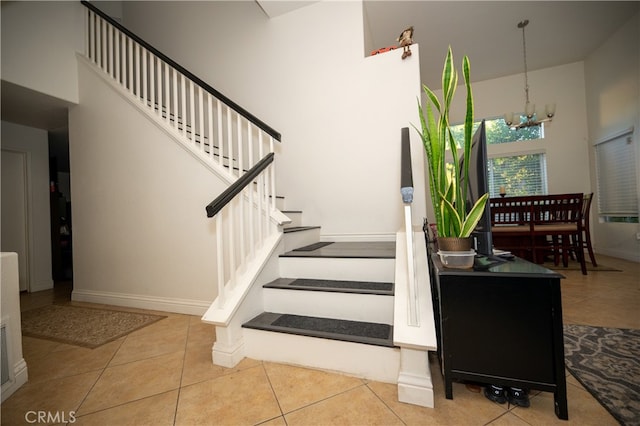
(454, 244)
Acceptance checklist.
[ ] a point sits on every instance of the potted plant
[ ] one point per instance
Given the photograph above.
(447, 183)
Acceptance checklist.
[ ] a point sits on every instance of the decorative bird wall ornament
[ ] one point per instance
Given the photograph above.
(406, 39)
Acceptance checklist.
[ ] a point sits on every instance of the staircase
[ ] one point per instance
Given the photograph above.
(331, 307)
(283, 295)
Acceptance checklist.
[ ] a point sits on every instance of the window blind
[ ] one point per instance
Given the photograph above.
(518, 174)
(617, 177)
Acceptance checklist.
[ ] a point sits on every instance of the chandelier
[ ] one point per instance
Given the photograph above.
(530, 117)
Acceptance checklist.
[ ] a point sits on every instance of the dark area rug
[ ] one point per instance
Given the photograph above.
(82, 326)
(606, 361)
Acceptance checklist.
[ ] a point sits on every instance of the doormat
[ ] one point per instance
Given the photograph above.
(606, 361)
(82, 326)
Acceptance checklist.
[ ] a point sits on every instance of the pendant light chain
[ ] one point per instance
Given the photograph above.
(522, 25)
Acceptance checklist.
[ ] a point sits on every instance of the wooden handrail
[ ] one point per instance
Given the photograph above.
(243, 112)
(229, 194)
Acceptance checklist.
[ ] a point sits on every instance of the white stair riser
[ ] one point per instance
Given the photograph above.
(294, 240)
(346, 306)
(280, 203)
(296, 218)
(349, 269)
(366, 361)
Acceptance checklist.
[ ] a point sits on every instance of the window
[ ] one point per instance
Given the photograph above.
(518, 174)
(617, 178)
(498, 132)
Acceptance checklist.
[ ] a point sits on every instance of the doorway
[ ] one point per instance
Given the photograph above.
(15, 232)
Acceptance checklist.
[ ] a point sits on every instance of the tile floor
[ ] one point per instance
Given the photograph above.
(163, 375)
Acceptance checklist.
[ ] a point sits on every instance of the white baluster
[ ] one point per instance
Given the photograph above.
(232, 244)
(251, 191)
(167, 93)
(152, 81)
(91, 48)
(183, 99)
(103, 36)
(219, 124)
(117, 54)
(220, 259)
(159, 85)
(210, 123)
(137, 78)
(201, 117)
(272, 177)
(144, 75)
(130, 63)
(192, 109)
(229, 141)
(174, 100)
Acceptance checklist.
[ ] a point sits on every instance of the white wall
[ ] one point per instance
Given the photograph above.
(141, 236)
(34, 142)
(613, 105)
(305, 74)
(42, 35)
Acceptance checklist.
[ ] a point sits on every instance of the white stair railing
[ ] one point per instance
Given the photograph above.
(243, 222)
(212, 125)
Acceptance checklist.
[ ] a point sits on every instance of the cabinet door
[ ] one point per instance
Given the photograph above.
(499, 327)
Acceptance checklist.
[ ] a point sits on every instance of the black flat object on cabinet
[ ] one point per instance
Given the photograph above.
(501, 326)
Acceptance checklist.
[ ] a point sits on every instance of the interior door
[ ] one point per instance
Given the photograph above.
(14, 211)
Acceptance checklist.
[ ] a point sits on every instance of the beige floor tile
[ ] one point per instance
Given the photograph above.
(198, 365)
(69, 360)
(155, 410)
(508, 419)
(34, 349)
(133, 381)
(244, 397)
(278, 421)
(358, 406)
(62, 396)
(172, 322)
(297, 387)
(150, 344)
(200, 332)
(468, 408)
(583, 410)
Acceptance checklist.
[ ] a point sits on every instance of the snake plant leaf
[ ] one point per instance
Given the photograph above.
(473, 217)
(455, 221)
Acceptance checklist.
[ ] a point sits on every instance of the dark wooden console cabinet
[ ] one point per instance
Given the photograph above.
(501, 326)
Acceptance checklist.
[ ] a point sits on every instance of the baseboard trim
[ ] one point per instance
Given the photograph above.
(20, 377)
(620, 254)
(164, 304)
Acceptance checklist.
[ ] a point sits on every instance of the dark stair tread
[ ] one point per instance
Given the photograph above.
(339, 286)
(325, 328)
(291, 211)
(352, 250)
(298, 228)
